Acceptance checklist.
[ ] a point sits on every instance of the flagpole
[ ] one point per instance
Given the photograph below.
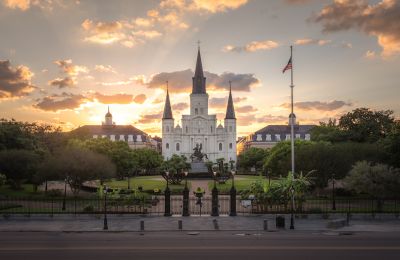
(292, 113)
(292, 137)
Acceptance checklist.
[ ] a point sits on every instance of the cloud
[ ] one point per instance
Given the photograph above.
(181, 81)
(370, 55)
(252, 46)
(180, 106)
(380, 20)
(318, 105)
(72, 70)
(246, 109)
(268, 119)
(150, 118)
(298, 1)
(168, 16)
(24, 5)
(105, 68)
(215, 6)
(14, 82)
(308, 41)
(140, 99)
(17, 4)
(62, 82)
(56, 103)
(113, 99)
(218, 102)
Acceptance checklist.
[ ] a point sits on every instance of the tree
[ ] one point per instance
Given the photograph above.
(379, 180)
(323, 157)
(328, 132)
(78, 165)
(149, 160)
(175, 168)
(365, 125)
(3, 179)
(18, 165)
(253, 157)
(391, 146)
(118, 152)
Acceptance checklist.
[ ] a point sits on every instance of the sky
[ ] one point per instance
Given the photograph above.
(63, 62)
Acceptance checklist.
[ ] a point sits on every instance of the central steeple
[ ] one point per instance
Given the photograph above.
(199, 81)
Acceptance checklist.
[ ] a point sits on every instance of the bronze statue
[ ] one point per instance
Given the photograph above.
(197, 155)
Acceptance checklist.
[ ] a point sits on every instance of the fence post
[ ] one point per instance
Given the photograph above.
(348, 212)
(214, 202)
(75, 205)
(52, 206)
(167, 203)
(185, 206)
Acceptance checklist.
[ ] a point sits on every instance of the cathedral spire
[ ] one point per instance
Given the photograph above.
(167, 108)
(199, 81)
(230, 110)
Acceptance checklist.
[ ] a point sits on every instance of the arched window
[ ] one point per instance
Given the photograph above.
(220, 146)
(186, 129)
(177, 147)
(167, 146)
(230, 145)
(211, 129)
(196, 111)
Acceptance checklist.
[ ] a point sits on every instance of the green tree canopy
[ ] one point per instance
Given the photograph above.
(378, 181)
(18, 165)
(78, 165)
(253, 157)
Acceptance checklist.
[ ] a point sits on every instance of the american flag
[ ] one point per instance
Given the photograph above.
(288, 66)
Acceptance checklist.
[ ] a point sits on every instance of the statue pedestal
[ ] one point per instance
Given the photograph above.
(199, 170)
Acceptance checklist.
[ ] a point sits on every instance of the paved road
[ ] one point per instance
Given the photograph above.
(205, 245)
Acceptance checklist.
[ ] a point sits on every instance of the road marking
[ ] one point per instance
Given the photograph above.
(235, 248)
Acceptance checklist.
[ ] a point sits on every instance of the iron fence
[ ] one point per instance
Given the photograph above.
(156, 204)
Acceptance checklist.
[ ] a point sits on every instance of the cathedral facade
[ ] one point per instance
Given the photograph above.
(199, 128)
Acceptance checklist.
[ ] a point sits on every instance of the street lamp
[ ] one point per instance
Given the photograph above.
(292, 211)
(333, 192)
(65, 194)
(167, 195)
(233, 196)
(214, 198)
(185, 207)
(105, 226)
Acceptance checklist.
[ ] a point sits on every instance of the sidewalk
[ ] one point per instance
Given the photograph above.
(132, 223)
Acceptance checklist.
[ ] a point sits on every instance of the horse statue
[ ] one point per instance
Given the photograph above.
(197, 155)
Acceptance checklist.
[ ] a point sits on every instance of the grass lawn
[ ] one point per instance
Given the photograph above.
(148, 183)
(27, 190)
(242, 182)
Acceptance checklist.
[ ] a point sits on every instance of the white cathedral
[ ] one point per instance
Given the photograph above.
(199, 128)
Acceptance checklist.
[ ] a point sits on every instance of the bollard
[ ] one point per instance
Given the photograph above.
(180, 224)
(265, 224)
(216, 226)
(142, 225)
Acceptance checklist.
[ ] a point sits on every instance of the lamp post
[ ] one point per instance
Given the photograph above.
(105, 226)
(214, 198)
(185, 207)
(292, 211)
(65, 194)
(232, 212)
(167, 194)
(333, 192)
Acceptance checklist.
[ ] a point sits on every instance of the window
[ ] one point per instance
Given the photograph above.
(230, 128)
(186, 129)
(230, 145)
(220, 146)
(307, 137)
(268, 137)
(259, 137)
(211, 129)
(196, 111)
(167, 146)
(167, 128)
(177, 147)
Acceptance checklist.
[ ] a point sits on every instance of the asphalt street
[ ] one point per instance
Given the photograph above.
(199, 245)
